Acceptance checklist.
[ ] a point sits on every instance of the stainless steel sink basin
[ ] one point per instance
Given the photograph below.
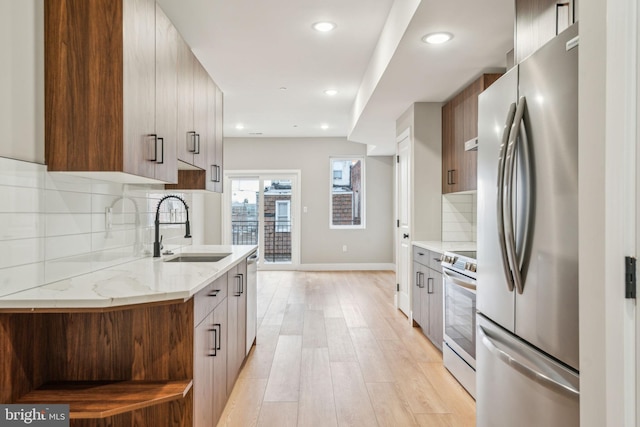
(197, 258)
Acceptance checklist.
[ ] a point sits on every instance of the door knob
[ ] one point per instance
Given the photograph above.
(405, 236)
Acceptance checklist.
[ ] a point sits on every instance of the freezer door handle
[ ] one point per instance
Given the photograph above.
(537, 376)
(500, 198)
(510, 163)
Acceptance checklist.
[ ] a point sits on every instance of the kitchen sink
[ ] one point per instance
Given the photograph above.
(197, 258)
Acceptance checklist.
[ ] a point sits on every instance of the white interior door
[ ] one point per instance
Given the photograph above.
(403, 244)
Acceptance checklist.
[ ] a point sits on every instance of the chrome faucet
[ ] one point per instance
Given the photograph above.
(187, 232)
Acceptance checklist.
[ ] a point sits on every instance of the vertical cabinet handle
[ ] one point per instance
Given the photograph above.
(241, 283)
(218, 173)
(196, 149)
(162, 151)
(217, 339)
(238, 278)
(218, 335)
(215, 348)
(451, 177)
(215, 173)
(192, 134)
(155, 147)
(417, 278)
(430, 285)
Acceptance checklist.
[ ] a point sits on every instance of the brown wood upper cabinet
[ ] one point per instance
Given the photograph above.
(199, 126)
(538, 21)
(110, 89)
(459, 125)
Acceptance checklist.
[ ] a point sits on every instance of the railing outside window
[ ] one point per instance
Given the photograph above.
(277, 237)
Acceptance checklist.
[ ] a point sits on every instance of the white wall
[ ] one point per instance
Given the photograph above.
(425, 121)
(606, 164)
(22, 79)
(319, 243)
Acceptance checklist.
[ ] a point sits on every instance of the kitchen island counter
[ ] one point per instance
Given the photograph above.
(146, 280)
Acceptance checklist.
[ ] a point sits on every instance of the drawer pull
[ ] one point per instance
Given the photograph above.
(213, 293)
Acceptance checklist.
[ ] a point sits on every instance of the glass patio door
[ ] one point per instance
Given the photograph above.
(261, 211)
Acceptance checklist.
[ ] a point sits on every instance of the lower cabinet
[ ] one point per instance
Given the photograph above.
(210, 367)
(427, 299)
(236, 321)
(219, 343)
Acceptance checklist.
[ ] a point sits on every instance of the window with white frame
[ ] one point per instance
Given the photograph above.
(283, 216)
(347, 192)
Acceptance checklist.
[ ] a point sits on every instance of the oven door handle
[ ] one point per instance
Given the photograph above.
(459, 281)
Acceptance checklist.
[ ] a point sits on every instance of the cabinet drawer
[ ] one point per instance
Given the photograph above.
(208, 298)
(421, 255)
(434, 261)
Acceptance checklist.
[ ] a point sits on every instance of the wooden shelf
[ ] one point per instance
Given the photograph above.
(101, 399)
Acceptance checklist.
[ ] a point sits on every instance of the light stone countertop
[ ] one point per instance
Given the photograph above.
(442, 247)
(145, 280)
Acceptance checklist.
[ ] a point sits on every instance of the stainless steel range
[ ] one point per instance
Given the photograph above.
(459, 349)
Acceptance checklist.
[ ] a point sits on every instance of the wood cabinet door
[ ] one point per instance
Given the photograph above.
(233, 302)
(219, 136)
(213, 173)
(216, 157)
(467, 160)
(139, 64)
(203, 372)
(537, 22)
(185, 140)
(416, 292)
(167, 42)
(219, 376)
(448, 146)
(200, 114)
(242, 313)
(436, 309)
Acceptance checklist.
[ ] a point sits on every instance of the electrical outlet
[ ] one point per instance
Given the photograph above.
(344, 248)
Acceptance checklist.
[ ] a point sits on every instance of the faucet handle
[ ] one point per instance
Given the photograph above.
(161, 245)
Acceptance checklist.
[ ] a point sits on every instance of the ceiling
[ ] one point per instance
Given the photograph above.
(274, 68)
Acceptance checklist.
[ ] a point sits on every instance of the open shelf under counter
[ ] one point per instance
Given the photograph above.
(102, 399)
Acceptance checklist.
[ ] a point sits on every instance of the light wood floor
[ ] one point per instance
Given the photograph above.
(333, 351)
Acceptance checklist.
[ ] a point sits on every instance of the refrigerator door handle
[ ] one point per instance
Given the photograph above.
(510, 163)
(500, 198)
(537, 376)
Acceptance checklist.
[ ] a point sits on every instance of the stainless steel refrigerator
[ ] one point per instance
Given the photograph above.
(527, 286)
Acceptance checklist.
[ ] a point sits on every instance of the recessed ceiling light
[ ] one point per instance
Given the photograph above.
(437, 38)
(324, 126)
(239, 126)
(331, 92)
(283, 88)
(324, 26)
(255, 133)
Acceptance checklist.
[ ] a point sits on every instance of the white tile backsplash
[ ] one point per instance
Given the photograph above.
(53, 225)
(66, 224)
(21, 252)
(23, 226)
(459, 213)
